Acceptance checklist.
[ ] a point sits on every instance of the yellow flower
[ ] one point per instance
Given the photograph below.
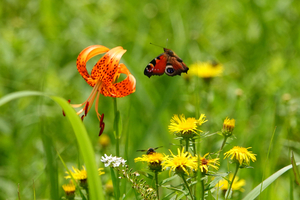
(237, 184)
(183, 126)
(81, 174)
(228, 127)
(154, 160)
(241, 155)
(181, 162)
(206, 69)
(151, 158)
(69, 189)
(104, 140)
(205, 163)
(109, 188)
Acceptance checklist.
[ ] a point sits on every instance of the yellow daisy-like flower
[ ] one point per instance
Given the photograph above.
(237, 184)
(180, 163)
(206, 70)
(205, 163)
(154, 160)
(228, 127)
(81, 174)
(69, 188)
(151, 158)
(241, 155)
(183, 126)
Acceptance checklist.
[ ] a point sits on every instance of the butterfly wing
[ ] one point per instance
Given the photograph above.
(175, 66)
(157, 66)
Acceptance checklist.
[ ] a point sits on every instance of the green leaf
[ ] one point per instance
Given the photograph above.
(16, 95)
(95, 186)
(216, 180)
(114, 180)
(261, 187)
(295, 169)
(85, 145)
(168, 179)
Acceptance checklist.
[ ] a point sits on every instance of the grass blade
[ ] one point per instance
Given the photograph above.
(95, 187)
(257, 190)
(16, 95)
(295, 169)
(85, 145)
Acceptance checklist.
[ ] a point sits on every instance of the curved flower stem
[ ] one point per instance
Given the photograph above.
(223, 144)
(187, 185)
(231, 183)
(156, 183)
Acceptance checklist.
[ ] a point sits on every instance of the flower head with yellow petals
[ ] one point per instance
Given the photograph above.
(154, 160)
(184, 127)
(228, 127)
(180, 163)
(240, 155)
(236, 185)
(81, 174)
(205, 163)
(69, 189)
(206, 70)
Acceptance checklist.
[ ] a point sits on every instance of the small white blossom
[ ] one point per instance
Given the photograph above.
(112, 161)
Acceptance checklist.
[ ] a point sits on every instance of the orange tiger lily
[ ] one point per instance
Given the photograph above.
(104, 76)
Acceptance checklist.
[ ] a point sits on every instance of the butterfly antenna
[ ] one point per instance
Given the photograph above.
(157, 45)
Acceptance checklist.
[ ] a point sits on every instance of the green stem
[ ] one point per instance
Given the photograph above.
(117, 137)
(198, 191)
(194, 151)
(182, 176)
(181, 145)
(156, 183)
(187, 144)
(230, 186)
(202, 189)
(194, 146)
(223, 144)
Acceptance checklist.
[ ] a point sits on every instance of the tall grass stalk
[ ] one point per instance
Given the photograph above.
(269, 150)
(117, 137)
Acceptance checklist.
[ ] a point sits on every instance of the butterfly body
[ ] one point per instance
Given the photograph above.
(168, 63)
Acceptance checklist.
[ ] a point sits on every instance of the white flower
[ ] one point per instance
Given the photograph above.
(112, 161)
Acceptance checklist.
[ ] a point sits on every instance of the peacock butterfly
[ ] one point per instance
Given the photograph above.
(167, 62)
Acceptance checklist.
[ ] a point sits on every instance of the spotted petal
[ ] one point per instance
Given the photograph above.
(123, 88)
(84, 56)
(106, 68)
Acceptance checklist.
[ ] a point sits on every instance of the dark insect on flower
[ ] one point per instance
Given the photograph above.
(150, 150)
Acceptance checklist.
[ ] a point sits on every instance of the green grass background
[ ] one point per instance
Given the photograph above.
(257, 42)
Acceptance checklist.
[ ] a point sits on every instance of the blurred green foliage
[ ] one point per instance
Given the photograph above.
(257, 41)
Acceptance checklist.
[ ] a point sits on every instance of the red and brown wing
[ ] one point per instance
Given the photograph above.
(175, 66)
(156, 66)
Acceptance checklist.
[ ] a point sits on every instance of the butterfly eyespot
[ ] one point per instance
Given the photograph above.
(169, 70)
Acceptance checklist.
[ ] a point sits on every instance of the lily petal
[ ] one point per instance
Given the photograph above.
(84, 56)
(107, 66)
